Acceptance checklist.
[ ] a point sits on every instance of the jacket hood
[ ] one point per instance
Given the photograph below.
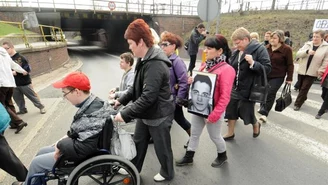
(157, 54)
(3, 52)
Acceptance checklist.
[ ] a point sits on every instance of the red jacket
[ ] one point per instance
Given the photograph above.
(223, 86)
(324, 75)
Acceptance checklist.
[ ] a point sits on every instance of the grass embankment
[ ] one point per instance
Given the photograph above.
(299, 23)
(6, 29)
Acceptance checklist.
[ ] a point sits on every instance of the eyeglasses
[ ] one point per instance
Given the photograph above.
(203, 95)
(165, 44)
(66, 93)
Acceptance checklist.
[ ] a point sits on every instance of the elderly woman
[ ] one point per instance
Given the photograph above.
(152, 103)
(178, 77)
(313, 60)
(217, 54)
(281, 56)
(247, 60)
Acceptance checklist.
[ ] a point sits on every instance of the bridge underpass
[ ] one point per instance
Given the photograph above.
(103, 27)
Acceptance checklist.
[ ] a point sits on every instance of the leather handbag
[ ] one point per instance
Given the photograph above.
(260, 88)
(285, 99)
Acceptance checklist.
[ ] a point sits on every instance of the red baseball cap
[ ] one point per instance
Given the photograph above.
(77, 80)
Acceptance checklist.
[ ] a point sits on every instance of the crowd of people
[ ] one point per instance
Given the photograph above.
(156, 90)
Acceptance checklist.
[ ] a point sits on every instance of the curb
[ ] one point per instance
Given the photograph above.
(43, 81)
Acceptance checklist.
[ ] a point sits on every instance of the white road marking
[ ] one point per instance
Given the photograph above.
(302, 142)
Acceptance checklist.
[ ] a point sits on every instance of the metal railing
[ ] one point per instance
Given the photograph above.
(56, 33)
(103, 6)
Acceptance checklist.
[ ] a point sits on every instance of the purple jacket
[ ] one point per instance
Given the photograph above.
(178, 73)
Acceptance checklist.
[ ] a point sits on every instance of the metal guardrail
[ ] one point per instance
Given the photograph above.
(103, 5)
(56, 33)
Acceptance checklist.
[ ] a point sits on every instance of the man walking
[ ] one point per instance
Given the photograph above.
(7, 84)
(197, 35)
(23, 82)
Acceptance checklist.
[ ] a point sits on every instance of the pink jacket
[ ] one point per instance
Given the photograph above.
(224, 82)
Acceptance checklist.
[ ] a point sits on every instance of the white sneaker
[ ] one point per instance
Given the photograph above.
(122, 171)
(263, 119)
(43, 111)
(159, 178)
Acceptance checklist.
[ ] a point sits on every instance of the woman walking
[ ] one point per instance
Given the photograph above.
(178, 77)
(281, 56)
(217, 53)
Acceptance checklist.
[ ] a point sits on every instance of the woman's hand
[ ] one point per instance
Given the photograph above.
(207, 121)
(118, 118)
(190, 80)
(116, 104)
(111, 96)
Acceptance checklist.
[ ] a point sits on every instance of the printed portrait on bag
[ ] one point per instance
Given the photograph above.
(201, 93)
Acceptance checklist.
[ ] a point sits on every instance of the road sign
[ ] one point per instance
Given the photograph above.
(111, 5)
(320, 24)
(32, 20)
(207, 9)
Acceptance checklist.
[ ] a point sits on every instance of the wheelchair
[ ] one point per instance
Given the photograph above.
(101, 168)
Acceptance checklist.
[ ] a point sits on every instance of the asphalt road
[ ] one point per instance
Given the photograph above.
(291, 150)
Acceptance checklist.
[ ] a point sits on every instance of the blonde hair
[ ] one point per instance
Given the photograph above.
(255, 35)
(155, 35)
(240, 34)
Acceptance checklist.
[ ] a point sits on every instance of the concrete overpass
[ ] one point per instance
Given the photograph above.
(104, 26)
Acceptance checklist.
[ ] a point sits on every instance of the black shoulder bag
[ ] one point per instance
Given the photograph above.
(260, 88)
(285, 99)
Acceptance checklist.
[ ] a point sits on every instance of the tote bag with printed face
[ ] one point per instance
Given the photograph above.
(4, 118)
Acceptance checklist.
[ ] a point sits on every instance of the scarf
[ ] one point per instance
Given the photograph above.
(214, 61)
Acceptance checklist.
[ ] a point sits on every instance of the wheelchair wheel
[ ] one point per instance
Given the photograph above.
(104, 170)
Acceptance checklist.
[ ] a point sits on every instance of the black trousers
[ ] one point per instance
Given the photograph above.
(275, 84)
(192, 63)
(9, 162)
(6, 94)
(180, 118)
(162, 144)
(324, 96)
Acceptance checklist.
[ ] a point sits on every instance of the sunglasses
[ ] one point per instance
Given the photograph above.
(165, 44)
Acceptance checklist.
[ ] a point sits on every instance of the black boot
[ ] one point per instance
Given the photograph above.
(186, 160)
(222, 158)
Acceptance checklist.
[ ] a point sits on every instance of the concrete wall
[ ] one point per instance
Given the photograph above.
(45, 59)
(180, 25)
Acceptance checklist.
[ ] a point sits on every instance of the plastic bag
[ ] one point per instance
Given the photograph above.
(122, 143)
(4, 118)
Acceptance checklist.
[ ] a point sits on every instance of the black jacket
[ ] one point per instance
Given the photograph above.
(194, 41)
(246, 75)
(71, 147)
(150, 93)
(20, 79)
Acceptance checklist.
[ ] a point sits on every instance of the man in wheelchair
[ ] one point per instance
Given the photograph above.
(82, 138)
